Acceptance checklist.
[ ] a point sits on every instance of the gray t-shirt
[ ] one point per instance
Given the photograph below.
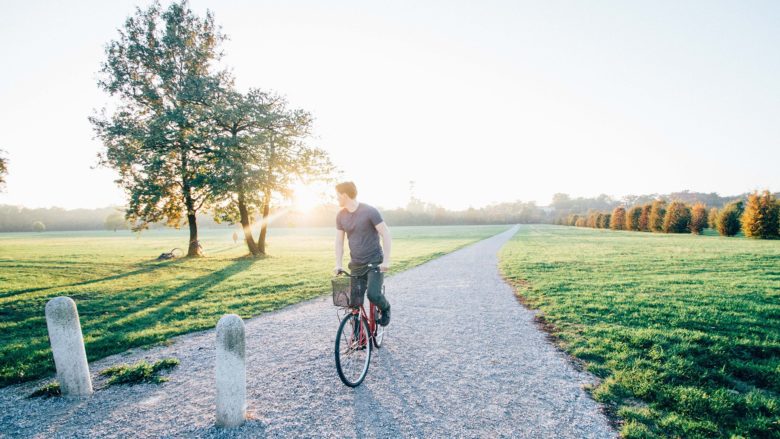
(360, 226)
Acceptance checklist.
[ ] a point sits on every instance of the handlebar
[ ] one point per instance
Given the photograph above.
(371, 267)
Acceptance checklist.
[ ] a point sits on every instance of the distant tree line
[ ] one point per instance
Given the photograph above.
(20, 219)
(563, 204)
(418, 213)
(757, 217)
(423, 214)
(645, 217)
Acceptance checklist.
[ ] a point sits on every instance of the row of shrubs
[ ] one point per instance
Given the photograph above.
(758, 218)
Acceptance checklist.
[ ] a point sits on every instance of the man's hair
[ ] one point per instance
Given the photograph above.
(347, 188)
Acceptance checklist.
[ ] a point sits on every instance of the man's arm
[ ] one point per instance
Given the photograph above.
(387, 244)
(339, 251)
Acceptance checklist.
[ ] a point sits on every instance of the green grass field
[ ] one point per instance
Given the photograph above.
(683, 330)
(126, 299)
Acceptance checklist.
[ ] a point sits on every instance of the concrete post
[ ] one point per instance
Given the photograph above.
(67, 346)
(231, 371)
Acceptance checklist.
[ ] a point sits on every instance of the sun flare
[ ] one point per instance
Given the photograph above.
(306, 197)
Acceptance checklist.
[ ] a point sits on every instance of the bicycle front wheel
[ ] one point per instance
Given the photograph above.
(353, 350)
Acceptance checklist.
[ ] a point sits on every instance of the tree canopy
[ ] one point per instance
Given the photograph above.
(184, 140)
(260, 153)
(161, 69)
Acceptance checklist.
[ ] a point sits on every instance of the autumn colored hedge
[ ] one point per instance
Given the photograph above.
(644, 218)
(712, 218)
(632, 218)
(677, 218)
(657, 214)
(698, 218)
(618, 219)
(605, 221)
(760, 218)
(728, 223)
(592, 220)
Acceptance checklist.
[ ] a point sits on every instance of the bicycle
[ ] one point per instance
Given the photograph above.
(358, 331)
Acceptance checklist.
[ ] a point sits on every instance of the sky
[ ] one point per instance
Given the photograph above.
(474, 102)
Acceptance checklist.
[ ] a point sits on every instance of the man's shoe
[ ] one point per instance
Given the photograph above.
(385, 319)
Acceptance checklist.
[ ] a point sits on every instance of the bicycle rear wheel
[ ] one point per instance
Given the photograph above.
(353, 350)
(379, 333)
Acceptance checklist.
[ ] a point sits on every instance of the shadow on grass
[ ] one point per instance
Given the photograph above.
(160, 310)
(146, 267)
(155, 317)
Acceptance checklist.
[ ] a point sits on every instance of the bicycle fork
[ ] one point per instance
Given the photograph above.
(359, 338)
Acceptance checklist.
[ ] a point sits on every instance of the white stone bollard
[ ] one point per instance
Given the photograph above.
(231, 371)
(67, 346)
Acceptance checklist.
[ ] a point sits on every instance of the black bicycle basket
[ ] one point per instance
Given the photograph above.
(347, 292)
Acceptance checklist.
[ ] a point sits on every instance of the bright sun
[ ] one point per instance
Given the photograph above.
(307, 197)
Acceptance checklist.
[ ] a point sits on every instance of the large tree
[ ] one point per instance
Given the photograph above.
(260, 152)
(287, 158)
(161, 69)
(238, 121)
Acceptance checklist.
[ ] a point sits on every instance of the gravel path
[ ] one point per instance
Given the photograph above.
(461, 358)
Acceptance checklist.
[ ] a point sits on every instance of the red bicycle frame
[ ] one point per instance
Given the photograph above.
(361, 311)
(370, 318)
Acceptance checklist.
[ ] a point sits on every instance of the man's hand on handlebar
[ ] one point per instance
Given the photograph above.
(382, 267)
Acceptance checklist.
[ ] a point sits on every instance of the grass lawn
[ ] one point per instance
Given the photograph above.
(126, 299)
(683, 330)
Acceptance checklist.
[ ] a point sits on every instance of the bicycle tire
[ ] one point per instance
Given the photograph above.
(379, 333)
(348, 377)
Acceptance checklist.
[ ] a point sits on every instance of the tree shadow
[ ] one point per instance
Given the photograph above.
(159, 309)
(108, 332)
(146, 267)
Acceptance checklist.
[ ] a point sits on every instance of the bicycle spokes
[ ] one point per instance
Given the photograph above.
(353, 350)
(359, 337)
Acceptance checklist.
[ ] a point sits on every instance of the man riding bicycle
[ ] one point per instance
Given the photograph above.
(363, 225)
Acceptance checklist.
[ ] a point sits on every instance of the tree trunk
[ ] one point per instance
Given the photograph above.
(264, 224)
(193, 251)
(245, 224)
(266, 201)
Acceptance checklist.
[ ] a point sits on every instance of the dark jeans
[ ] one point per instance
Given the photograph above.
(371, 281)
